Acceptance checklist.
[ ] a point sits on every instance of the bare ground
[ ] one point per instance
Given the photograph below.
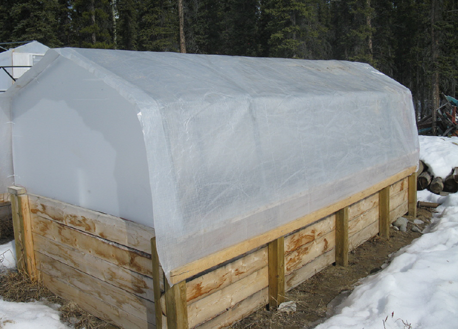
(311, 297)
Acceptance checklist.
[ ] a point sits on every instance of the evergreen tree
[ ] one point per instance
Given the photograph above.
(93, 23)
(128, 24)
(34, 20)
(158, 28)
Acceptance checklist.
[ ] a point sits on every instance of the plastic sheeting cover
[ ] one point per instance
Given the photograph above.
(238, 146)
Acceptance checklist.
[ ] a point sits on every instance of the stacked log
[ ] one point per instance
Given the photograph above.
(436, 185)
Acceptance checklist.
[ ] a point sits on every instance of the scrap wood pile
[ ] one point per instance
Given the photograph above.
(437, 185)
(446, 120)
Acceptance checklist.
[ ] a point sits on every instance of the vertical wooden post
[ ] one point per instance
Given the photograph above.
(176, 305)
(413, 195)
(384, 213)
(156, 283)
(342, 237)
(22, 225)
(276, 252)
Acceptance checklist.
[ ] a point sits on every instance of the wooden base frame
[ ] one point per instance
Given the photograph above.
(110, 267)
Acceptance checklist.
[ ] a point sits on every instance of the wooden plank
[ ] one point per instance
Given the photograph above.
(109, 251)
(18, 227)
(341, 234)
(399, 211)
(96, 306)
(363, 235)
(226, 275)
(183, 272)
(91, 286)
(358, 208)
(133, 282)
(309, 251)
(384, 217)
(127, 233)
(4, 198)
(22, 223)
(226, 298)
(360, 222)
(157, 278)
(398, 198)
(309, 233)
(399, 186)
(412, 199)
(238, 311)
(309, 270)
(176, 306)
(276, 272)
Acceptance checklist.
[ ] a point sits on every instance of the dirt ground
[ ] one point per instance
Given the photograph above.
(311, 297)
(332, 284)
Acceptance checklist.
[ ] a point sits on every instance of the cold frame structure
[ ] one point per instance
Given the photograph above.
(209, 150)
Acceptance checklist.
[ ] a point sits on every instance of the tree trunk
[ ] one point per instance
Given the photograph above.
(434, 57)
(94, 40)
(181, 16)
(369, 25)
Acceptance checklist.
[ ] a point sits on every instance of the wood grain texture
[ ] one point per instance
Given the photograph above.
(226, 298)
(238, 311)
(360, 207)
(133, 282)
(226, 275)
(360, 222)
(399, 186)
(399, 211)
(308, 252)
(157, 278)
(19, 238)
(384, 213)
(276, 272)
(96, 288)
(362, 236)
(200, 265)
(4, 198)
(176, 306)
(310, 269)
(309, 233)
(398, 198)
(96, 306)
(101, 248)
(127, 233)
(412, 197)
(342, 237)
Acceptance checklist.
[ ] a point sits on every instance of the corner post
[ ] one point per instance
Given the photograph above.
(276, 270)
(384, 213)
(176, 305)
(156, 283)
(22, 225)
(413, 195)
(342, 237)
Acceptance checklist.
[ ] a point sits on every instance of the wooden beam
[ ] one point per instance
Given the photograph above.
(276, 251)
(413, 195)
(176, 305)
(342, 237)
(156, 283)
(384, 213)
(22, 225)
(186, 271)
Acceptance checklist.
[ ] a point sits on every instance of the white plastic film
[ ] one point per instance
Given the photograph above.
(238, 146)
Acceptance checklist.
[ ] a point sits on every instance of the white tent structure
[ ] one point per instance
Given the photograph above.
(14, 62)
(208, 150)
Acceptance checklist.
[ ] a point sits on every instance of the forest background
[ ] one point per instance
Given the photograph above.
(413, 41)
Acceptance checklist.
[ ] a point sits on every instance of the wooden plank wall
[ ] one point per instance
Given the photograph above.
(99, 261)
(104, 263)
(233, 291)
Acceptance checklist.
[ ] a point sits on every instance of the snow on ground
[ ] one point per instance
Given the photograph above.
(419, 288)
(7, 256)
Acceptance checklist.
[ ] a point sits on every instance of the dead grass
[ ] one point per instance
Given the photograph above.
(15, 287)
